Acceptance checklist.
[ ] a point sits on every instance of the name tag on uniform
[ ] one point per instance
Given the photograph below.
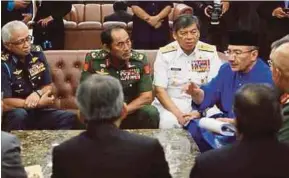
(200, 65)
(36, 69)
(130, 74)
(175, 69)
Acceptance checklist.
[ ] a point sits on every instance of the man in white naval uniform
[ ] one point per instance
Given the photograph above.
(177, 64)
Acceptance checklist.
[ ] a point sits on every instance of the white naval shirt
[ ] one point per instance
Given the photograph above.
(173, 68)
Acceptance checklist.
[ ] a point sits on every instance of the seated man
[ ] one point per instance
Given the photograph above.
(132, 69)
(104, 150)
(11, 165)
(26, 84)
(120, 13)
(258, 152)
(280, 73)
(243, 67)
(183, 61)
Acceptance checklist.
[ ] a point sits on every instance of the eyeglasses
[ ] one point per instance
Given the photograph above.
(237, 52)
(29, 38)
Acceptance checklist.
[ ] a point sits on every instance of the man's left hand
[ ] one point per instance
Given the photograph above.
(32, 100)
(44, 22)
(228, 120)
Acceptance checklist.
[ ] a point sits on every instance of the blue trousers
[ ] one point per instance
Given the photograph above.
(207, 140)
(38, 119)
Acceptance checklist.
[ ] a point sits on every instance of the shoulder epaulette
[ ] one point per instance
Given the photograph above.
(206, 47)
(168, 48)
(137, 56)
(36, 48)
(4, 56)
(102, 54)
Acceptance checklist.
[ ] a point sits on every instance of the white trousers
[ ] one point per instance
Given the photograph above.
(168, 119)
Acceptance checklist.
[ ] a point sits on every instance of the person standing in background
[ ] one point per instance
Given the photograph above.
(276, 16)
(150, 24)
(15, 10)
(120, 13)
(48, 28)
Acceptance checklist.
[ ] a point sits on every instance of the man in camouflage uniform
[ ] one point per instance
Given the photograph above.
(26, 84)
(132, 69)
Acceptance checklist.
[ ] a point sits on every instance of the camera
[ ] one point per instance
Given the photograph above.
(216, 13)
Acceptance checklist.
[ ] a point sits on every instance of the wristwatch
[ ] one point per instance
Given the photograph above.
(39, 93)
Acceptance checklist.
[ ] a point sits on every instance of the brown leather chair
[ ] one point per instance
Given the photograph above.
(84, 33)
(65, 67)
(106, 9)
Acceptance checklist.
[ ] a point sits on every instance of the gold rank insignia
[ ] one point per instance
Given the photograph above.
(101, 72)
(4, 57)
(168, 48)
(206, 47)
(34, 59)
(17, 72)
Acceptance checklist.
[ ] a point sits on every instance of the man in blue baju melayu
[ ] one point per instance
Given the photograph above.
(244, 66)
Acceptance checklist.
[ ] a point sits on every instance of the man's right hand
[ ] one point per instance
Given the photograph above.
(279, 13)
(46, 99)
(183, 119)
(192, 89)
(20, 4)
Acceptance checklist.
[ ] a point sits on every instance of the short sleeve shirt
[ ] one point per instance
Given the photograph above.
(20, 79)
(173, 69)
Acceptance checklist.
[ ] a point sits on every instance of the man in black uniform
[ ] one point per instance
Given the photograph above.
(26, 84)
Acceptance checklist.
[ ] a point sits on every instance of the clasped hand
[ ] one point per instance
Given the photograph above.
(155, 21)
(183, 119)
(34, 100)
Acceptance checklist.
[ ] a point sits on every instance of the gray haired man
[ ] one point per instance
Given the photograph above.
(103, 149)
(280, 73)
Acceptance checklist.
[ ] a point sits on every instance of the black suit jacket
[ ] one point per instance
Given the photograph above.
(11, 166)
(263, 158)
(121, 16)
(107, 152)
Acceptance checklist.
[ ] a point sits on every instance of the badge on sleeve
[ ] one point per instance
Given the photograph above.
(85, 67)
(146, 69)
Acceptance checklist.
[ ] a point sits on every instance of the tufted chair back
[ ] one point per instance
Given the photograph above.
(65, 67)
